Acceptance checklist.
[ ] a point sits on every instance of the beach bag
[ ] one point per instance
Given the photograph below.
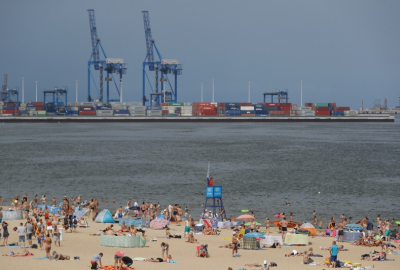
(34, 246)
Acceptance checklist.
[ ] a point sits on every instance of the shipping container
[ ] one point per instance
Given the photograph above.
(242, 112)
(247, 108)
(10, 111)
(175, 104)
(232, 112)
(272, 104)
(86, 108)
(105, 113)
(321, 105)
(93, 112)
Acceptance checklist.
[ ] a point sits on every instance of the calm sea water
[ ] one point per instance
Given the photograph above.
(354, 166)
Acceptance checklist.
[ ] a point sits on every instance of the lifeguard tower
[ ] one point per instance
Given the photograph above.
(214, 198)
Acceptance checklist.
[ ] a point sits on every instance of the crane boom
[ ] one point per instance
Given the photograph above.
(149, 39)
(94, 38)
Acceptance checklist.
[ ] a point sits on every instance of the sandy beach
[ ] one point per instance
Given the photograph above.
(85, 246)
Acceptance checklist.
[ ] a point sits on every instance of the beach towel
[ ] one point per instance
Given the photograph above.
(177, 262)
(139, 259)
(17, 247)
(44, 258)
(112, 267)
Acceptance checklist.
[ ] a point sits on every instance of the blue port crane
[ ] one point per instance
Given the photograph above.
(281, 95)
(110, 65)
(57, 93)
(162, 66)
(7, 94)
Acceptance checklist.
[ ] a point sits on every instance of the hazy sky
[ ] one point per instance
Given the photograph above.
(344, 51)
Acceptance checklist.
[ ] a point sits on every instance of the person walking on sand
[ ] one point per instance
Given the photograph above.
(164, 248)
(118, 260)
(187, 228)
(340, 231)
(21, 233)
(5, 233)
(267, 225)
(387, 229)
(56, 233)
(334, 250)
(284, 224)
(235, 245)
(48, 242)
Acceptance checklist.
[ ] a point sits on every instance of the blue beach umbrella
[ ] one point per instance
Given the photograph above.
(254, 235)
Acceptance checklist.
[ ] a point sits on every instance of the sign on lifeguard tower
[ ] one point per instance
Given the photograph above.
(214, 198)
(214, 192)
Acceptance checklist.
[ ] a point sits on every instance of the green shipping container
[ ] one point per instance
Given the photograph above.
(321, 105)
(41, 115)
(175, 104)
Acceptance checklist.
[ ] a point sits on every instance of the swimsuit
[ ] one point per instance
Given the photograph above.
(284, 229)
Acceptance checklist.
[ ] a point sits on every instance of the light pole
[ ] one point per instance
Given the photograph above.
(23, 79)
(213, 90)
(301, 93)
(249, 93)
(36, 90)
(201, 92)
(120, 87)
(76, 91)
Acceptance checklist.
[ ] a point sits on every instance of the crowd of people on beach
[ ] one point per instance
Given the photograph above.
(46, 226)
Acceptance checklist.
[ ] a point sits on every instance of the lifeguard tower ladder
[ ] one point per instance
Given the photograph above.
(214, 199)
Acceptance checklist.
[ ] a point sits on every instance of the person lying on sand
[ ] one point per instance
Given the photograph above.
(98, 234)
(230, 245)
(124, 228)
(268, 264)
(60, 257)
(208, 231)
(274, 245)
(377, 257)
(22, 254)
(341, 248)
(164, 259)
(293, 254)
(191, 238)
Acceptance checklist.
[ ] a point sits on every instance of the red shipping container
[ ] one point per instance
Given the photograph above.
(332, 104)
(341, 109)
(87, 112)
(286, 104)
(272, 104)
(10, 111)
(317, 112)
(201, 104)
(246, 104)
(323, 109)
(165, 111)
(276, 112)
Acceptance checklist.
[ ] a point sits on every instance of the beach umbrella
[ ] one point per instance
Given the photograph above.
(254, 235)
(158, 223)
(248, 223)
(354, 227)
(245, 217)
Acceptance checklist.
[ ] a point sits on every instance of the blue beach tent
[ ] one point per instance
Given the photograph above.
(104, 217)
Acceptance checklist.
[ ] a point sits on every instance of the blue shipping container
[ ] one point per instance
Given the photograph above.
(260, 106)
(73, 112)
(121, 111)
(10, 108)
(262, 114)
(30, 105)
(232, 104)
(232, 112)
(339, 113)
(103, 108)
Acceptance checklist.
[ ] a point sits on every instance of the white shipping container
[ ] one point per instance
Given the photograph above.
(41, 112)
(88, 104)
(187, 108)
(32, 113)
(247, 108)
(104, 113)
(122, 115)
